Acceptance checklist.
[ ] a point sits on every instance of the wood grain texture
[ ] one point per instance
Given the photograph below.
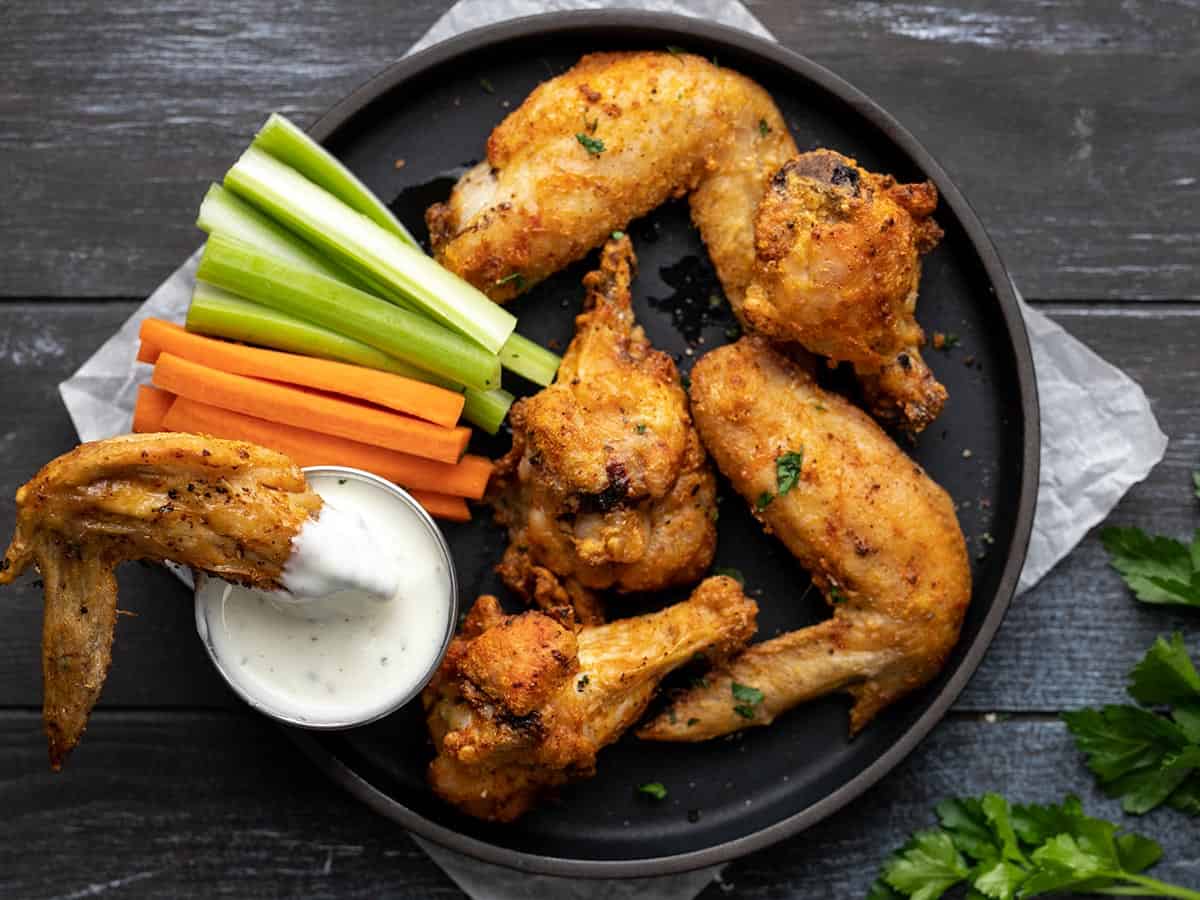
(207, 805)
(1071, 129)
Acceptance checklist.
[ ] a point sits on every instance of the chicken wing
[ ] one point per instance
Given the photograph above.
(226, 507)
(837, 267)
(522, 705)
(881, 540)
(606, 484)
(602, 144)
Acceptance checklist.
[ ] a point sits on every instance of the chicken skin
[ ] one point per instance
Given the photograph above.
(881, 540)
(838, 259)
(225, 507)
(521, 705)
(602, 144)
(606, 484)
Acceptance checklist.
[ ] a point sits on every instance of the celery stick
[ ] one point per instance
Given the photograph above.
(289, 144)
(363, 246)
(529, 360)
(487, 409)
(246, 271)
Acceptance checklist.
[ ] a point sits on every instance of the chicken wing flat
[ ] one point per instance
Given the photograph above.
(225, 507)
(521, 705)
(602, 144)
(838, 261)
(606, 484)
(880, 538)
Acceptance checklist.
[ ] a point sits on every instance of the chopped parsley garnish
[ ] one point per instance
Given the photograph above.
(735, 574)
(582, 682)
(675, 51)
(640, 427)
(617, 235)
(748, 697)
(763, 128)
(787, 470)
(594, 146)
(949, 341)
(516, 277)
(836, 596)
(691, 722)
(764, 500)
(653, 789)
(487, 85)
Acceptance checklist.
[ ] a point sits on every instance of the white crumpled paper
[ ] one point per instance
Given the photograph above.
(1099, 437)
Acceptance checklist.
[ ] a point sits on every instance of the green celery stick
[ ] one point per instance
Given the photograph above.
(289, 144)
(250, 273)
(357, 242)
(487, 409)
(529, 360)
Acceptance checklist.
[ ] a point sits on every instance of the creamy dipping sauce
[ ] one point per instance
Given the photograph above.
(350, 656)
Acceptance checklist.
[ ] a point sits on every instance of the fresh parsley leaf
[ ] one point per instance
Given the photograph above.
(654, 789)
(735, 574)
(594, 146)
(1158, 569)
(763, 128)
(1165, 674)
(787, 470)
(746, 694)
(745, 710)
(927, 867)
(764, 500)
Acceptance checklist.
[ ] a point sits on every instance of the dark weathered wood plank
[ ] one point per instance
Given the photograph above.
(204, 805)
(1045, 658)
(1072, 129)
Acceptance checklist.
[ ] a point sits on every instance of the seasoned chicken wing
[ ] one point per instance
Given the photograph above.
(602, 144)
(606, 484)
(522, 705)
(837, 266)
(880, 538)
(226, 507)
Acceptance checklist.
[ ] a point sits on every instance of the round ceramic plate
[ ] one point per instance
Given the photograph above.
(408, 133)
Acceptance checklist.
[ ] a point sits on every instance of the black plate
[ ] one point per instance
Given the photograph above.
(434, 111)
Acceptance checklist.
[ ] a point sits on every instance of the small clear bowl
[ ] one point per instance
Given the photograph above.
(411, 691)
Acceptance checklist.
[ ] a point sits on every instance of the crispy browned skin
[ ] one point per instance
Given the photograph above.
(880, 538)
(838, 264)
(606, 485)
(670, 124)
(226, 507)
(522, 705)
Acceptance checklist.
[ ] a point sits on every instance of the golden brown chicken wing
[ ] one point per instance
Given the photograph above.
(606, 485)
(602, 144)
(880, 538)
(522, 705)
(226, 507)
(838, 263)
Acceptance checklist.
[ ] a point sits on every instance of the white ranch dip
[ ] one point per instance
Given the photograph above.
(350, 656)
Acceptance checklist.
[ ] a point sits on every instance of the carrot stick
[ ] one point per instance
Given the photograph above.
(151, 408)
(467, 478)
(148, 353)
(406, 395)
(294, 406)
(443, 506)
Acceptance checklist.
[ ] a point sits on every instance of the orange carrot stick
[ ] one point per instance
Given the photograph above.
(467, 478)
(151, 408)
(443, 506)
(148, 353)
(407, 395)
(294, 406)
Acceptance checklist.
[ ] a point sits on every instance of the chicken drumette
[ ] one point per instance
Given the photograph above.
(606, 484)
(838, 259)
(880, 539)
(522, 705)
(226, 507)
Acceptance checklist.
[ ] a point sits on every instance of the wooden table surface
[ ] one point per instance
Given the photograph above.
(1072, 127)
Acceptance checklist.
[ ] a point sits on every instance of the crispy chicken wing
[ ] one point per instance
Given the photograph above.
(606, 484)
(522, 705)
(838, 262)
(880, 538)
(226, 507)
(602, 144)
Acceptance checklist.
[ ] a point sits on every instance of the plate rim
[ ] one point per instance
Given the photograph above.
(581, 21)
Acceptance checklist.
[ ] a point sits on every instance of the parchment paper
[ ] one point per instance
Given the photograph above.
(1099, 437)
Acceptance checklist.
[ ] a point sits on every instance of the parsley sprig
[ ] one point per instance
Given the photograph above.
(1004, 852)
(1160, 570)
(1139, 755)
(748, 698)
(787, 474)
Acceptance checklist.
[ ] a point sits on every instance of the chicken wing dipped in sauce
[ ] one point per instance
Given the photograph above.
(879, 537)
(838, 261)
(602, 144)
(226, 507)
(522, 705)
(606, 484)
